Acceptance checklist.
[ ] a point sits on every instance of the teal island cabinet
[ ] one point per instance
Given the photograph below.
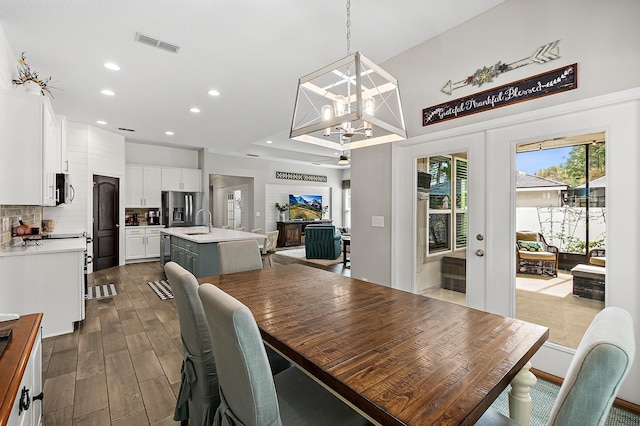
(196, 249)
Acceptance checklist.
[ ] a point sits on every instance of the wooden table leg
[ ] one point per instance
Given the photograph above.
(519, 397)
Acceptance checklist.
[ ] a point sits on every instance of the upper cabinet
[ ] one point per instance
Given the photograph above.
(174, 179)
(143, 186)
(29, 149)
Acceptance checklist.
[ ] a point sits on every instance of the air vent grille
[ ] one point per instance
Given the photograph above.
(124, 129)
(150, 41)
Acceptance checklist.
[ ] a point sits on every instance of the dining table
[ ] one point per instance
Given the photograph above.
(396, 357)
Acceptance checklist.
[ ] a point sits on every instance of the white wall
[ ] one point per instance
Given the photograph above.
(279, 193)
(264, 173)
(8, 62)
(154, 155)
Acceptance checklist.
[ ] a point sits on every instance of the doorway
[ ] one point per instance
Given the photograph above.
(106, 206)
(560, 196)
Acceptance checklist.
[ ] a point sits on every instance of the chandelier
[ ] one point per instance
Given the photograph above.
(351, 103)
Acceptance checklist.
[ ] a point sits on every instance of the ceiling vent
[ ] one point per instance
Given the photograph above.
(253, 155)
(124, 129)
(150, 41)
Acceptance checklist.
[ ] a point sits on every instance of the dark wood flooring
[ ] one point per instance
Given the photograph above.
(121, 365)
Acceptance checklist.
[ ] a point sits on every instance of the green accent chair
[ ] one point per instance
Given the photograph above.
(595, 374)
(321, 242)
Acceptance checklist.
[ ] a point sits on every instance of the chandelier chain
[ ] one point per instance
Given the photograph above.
(348, 27)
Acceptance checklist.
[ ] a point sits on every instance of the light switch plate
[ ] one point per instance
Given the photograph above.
(377, 221)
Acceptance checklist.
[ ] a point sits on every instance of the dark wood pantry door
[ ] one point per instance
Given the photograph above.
(106, 195)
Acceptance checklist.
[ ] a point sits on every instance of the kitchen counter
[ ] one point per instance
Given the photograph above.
(201, 234)
(196, 249)
(46, 246)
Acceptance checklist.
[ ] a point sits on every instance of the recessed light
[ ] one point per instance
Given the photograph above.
(107, 92)
(269, 141)
(168, 133)
(111, 66)
(213, 92)
(101, 122)
(196, 110)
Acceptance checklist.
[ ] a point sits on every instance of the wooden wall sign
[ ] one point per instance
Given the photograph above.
(549, 83)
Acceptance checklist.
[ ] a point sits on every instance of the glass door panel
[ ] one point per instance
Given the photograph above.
(560, 199)
(441, 226)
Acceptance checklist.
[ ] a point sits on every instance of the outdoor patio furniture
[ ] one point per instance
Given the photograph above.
(588, 281)
(596, 256)
(534, 255)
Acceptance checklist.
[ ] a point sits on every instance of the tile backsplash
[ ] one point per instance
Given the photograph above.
(9, 219)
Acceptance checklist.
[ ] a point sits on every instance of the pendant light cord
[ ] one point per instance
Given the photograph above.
(348, 27)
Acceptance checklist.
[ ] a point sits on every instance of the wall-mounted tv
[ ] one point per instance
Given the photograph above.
(307, 207)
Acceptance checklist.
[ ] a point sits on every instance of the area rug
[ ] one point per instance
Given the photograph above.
(101, 291)
(300, 254)
(162, 289)
(560, 286)
(543, 395)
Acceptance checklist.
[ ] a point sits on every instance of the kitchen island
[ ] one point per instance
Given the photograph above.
(196, 249)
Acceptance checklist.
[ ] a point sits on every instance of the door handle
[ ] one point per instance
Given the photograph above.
(479, 252)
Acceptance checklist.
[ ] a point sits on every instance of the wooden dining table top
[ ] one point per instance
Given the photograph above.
(400, 358)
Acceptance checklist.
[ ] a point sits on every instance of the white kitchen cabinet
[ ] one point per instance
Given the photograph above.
(134, 245)
(63, 163)
(26, 409)
(153, 242)
(51, 282)
(175, 179)
(142, 186)
(28, 149)
(142, 242)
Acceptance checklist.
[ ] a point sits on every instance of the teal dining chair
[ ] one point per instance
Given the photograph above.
(198, 398)
(250, 395)
(595, 373)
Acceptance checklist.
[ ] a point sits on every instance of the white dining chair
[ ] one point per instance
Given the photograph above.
(595, 374)
(238, 256)
(250, 394)
(269, 246)
(256, 231)
(241, 228)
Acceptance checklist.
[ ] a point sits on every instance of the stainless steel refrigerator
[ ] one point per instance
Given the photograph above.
(181, 208)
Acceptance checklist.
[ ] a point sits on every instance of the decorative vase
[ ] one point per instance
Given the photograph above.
(283, 216)
(32, 87)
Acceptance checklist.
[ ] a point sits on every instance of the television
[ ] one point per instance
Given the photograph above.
(305, 207)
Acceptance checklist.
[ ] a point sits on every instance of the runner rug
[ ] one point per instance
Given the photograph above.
(162, 289)
(101, 291)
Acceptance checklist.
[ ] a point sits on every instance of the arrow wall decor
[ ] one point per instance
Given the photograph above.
(543, 54)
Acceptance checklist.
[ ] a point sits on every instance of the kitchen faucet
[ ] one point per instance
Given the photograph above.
(210, 218)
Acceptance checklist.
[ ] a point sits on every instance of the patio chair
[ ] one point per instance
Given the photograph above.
(247, 387)
(596, 257)
(595, 374)
(534, 255)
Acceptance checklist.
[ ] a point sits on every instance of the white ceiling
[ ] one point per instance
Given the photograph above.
(252, 52)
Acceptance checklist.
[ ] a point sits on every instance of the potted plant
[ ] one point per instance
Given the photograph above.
(282, 209)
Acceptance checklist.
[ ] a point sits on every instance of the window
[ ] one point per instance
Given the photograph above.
(447, 203)
(346, 203)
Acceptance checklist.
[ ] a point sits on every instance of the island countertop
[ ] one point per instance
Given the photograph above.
(201, 234)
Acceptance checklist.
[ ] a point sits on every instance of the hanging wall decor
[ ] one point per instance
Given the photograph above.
(543, 54)
(549, 83)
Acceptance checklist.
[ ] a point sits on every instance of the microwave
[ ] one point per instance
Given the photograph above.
(64, 190)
